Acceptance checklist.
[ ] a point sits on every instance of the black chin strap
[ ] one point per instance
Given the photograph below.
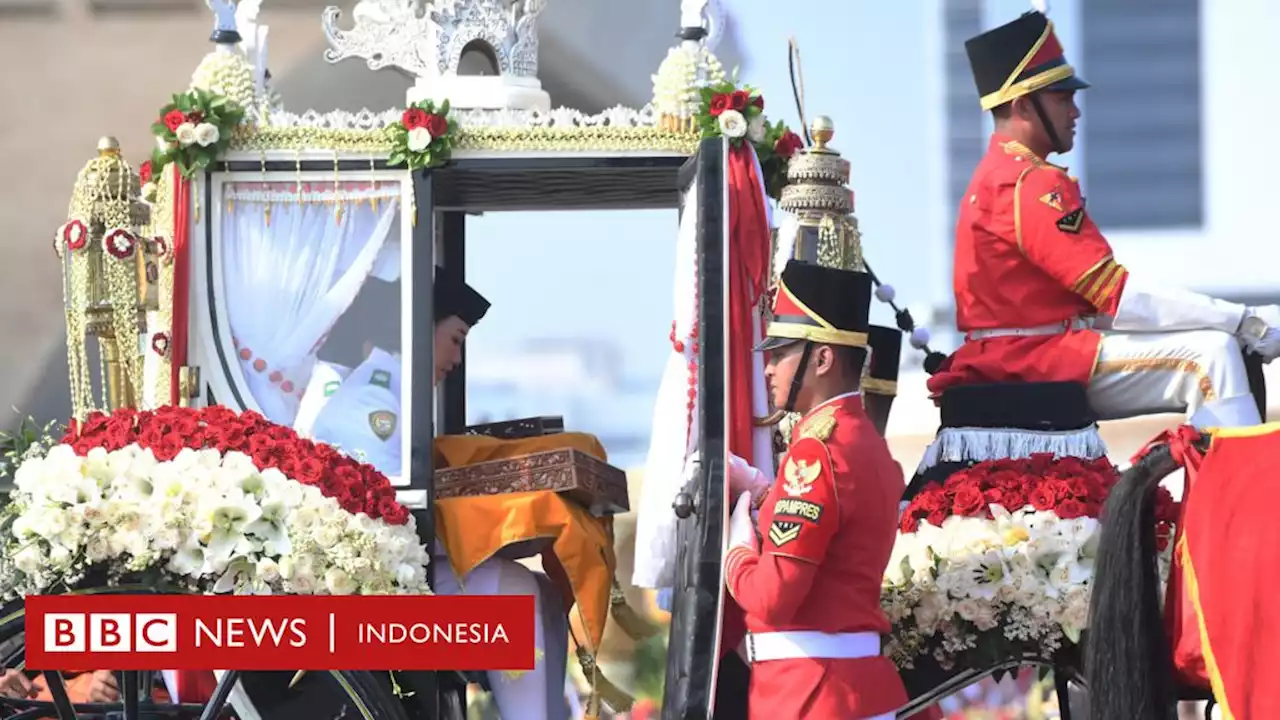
(798, 379)
(1054, 141)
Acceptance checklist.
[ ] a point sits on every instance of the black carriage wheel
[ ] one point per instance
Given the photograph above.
(332, 695)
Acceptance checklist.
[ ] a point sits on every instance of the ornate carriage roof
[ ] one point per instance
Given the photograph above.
(477, 58)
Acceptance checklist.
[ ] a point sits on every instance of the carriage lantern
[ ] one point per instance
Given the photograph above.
(818, 198)
(108, 280)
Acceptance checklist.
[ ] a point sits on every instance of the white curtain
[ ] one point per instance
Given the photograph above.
(294, 258)
(664, 471)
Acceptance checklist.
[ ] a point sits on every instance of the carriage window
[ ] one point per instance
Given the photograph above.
(311, 275)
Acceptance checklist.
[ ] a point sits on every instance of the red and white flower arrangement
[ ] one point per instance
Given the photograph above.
(738, 114)
(424, 137)
(998, 559)
(209, 500)
(72, 236)
(193, 130)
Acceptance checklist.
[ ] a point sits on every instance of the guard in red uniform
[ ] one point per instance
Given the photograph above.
(810, 584)
(1036, 281)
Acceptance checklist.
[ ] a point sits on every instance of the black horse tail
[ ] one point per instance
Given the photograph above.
(1128, 660)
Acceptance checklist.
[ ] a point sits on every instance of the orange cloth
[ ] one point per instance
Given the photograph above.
(1025, 254)
(1230, 548)
(475, 528)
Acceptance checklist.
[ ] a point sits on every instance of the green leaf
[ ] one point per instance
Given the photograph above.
(444, 107)
(217, 101)
(203, 160)
(160, 129)
(396, 158)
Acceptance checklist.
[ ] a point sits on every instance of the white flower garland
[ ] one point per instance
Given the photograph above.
(1026, 575)
(210, 522)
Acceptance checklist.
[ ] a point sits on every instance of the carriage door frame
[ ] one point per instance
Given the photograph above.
(694, 649)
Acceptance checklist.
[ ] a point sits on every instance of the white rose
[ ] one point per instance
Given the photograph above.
(732, 124)
(755, 129)
(186, 133)
(207, 134)
(419, 139)
(338, 582)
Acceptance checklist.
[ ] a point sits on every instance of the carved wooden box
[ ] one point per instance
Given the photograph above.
(590, 482)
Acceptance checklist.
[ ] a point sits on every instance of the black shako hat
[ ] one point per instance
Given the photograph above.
(886, 359)
(819, 304)
(453, 296)
(1017, 59)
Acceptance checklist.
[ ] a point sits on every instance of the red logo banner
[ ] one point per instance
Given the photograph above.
(208, 632)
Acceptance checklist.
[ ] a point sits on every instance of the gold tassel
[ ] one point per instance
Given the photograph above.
(592, 711)
(601, 689)
(635, 626)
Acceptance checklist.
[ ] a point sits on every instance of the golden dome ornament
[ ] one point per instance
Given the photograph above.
(818, 197)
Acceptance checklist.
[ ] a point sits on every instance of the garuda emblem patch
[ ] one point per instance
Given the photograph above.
(383, 423)
(800, 475)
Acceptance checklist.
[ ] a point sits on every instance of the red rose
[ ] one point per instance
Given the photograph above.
(437, 125)
(1042, 498)
(719, 103)
(969, 501)
(168, 447)
(397, 515)
(758, 101)
(309, 471)
(195, 117)
(909, 524)
(787, 145)
(1071, 509)
(1013, 500)
(738, 100)
(936, 518)
(144, 172)
(173, 119)
(413, 118)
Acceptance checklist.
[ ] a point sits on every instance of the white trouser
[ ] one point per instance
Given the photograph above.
(537, 694)
(1199, 372)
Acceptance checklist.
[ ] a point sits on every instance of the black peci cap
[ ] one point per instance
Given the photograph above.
(453, 296)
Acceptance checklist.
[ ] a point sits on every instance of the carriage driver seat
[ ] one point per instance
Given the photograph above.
(1008, 420)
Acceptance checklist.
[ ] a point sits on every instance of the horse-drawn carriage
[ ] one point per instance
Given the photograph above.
(237, 257)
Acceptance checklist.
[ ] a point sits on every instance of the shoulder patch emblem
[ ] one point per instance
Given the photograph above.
(383, 424)
(800, 475)
(381, 378)
(782, 532)
(331, 387)
(1053, 199)
(797, 508)
(819, 425)
(1072, 221)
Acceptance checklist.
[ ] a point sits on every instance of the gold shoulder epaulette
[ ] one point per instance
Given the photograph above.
(819, 425)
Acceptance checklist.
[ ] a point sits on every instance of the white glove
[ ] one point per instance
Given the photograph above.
(1260, 331)
(742, 529)
(744, 478)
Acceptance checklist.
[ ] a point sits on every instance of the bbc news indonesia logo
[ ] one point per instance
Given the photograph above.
(205, 632)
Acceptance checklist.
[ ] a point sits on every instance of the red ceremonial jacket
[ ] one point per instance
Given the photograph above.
(1027, 255)
(828, 526)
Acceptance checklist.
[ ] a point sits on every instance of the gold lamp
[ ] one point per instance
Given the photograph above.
(108, 283)
(818, 196)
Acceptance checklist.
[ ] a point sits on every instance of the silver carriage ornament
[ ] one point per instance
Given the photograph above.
(431, 40)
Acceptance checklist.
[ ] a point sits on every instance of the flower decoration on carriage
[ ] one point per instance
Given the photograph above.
(423, 137)
(205, 500)
(193, 130)
(999, 559)
(73, 236)
(738, 114)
